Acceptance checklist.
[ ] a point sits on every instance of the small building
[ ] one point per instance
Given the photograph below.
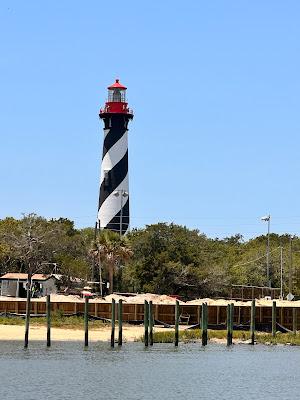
(14, 285)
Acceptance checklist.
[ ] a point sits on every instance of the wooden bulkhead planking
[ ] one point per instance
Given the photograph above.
(161, 312)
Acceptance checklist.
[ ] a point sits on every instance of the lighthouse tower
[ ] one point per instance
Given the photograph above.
(113, 208)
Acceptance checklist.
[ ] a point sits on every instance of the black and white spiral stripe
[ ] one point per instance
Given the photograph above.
(114, 175)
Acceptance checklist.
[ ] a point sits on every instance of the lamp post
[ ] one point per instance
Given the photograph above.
(291, 264)
(123, 194)
(267, 218)
(281, 272)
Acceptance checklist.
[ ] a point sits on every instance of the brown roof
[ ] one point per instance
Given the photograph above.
(16, 276)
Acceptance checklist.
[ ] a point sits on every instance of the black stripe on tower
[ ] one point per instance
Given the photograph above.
(113, 178)
(115, 222)
(117, 126)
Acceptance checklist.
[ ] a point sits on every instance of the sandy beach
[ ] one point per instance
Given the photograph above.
(38, 333)
(16, 332)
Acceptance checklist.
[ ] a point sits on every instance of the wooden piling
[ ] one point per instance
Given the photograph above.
(176, 323)
(146, 323)
(204, 323)
(120, 322)
(231, 319)
(274, 319)
(294, 320)
(252, 323)
(113, 322)
(48, 313)
(150, 323)
(86, 321)
(28, 307)
(229, 325)
(199, 309)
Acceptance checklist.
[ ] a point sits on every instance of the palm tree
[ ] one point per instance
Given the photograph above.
(111, 249)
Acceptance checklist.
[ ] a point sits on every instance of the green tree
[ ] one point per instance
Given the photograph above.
(173, 259)
(110, 249)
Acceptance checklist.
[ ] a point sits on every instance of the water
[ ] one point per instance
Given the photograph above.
(67, 371)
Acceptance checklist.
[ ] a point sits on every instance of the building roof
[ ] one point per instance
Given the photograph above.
(24, 277)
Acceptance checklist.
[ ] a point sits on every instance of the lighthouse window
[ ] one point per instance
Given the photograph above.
(117, 95)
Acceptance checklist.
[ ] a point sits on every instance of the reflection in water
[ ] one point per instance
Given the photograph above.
(67, 371)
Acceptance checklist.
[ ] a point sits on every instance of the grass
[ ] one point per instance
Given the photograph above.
(11, 321)
(280, 338)
(58, 320)
(195, 335)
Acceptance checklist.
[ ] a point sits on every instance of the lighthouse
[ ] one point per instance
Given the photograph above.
(113, 207)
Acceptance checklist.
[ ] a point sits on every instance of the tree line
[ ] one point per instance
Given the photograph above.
(160, 258)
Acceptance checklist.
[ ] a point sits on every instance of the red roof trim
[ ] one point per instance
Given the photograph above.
(117, 85)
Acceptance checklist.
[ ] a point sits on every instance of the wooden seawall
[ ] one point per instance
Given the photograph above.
(161, 312)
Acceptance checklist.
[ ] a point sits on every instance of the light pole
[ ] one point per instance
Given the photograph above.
(281, 272)
(291, 264)
(123, 194)
(267, 218)
(100, 273)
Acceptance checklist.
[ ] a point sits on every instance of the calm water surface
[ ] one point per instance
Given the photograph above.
(67, 371)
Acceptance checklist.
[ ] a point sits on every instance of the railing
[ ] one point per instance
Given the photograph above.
(107, 110)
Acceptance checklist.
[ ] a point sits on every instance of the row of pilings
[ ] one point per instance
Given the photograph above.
(149, 322)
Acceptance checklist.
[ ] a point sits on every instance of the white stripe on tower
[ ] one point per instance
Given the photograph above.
(114, 155)
(112, 207)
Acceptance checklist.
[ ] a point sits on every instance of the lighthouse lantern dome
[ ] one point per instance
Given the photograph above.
(116, 92)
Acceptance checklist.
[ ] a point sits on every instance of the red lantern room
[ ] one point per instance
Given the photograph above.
(116, 101)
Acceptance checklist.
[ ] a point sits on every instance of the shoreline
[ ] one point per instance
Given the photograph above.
(39, 333)
(135, 334)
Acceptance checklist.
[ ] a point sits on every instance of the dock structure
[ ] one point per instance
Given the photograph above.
(286, 317)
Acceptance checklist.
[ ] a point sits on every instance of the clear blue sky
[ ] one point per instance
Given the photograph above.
(215, 90)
